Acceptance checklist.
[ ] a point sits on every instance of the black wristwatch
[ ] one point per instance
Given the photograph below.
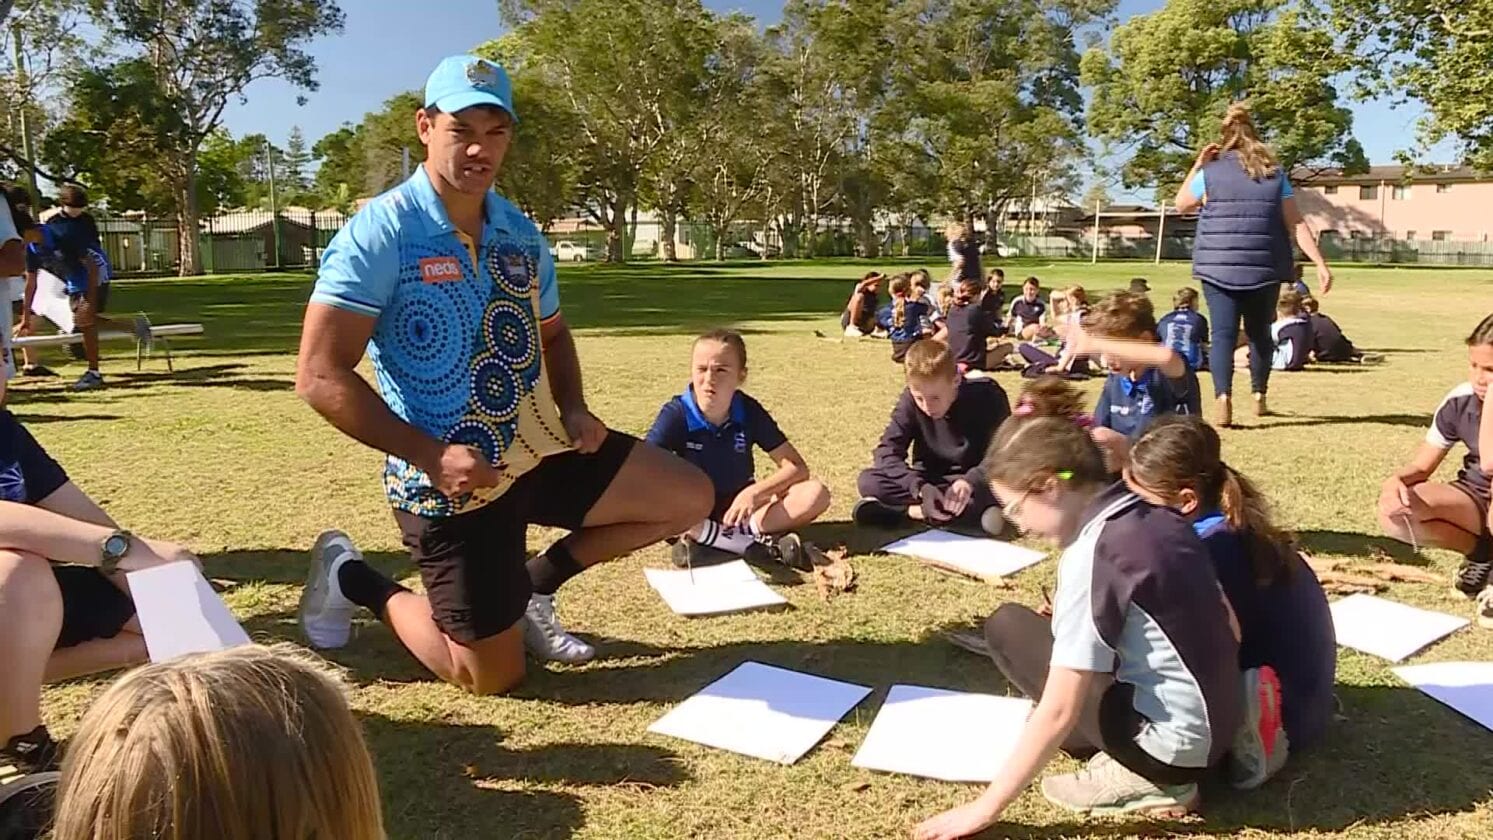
(114, 548)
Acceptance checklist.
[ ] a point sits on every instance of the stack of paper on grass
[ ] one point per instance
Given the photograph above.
(711, 590)
(1465, 686)
(762, 711)
(1389, 629)
(950, 735)
(983, 559)
(180, 613)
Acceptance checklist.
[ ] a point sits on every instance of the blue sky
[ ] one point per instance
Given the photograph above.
(384, 50)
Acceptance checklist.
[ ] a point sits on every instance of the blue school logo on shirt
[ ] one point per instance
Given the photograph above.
(741, 442)
(12, 484)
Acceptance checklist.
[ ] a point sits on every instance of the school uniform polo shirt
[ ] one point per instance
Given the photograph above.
(1027, 312)
(1293, 343)
(968, 330)
(1457, 419)
(1137, 598)
(723, 452)
(1184, 330)
(456, 349)
(1129, 405)
(27, 473)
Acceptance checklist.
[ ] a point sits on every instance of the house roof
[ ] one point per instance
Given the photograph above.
(1433, 174)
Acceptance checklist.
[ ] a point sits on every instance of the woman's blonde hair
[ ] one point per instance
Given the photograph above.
(240, 744)
(901, 286)
(1239, 136)
(957, 230)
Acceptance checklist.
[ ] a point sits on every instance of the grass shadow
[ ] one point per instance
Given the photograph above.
(287, 566)
(1283, 421)
(1353, 544)
(37, 419)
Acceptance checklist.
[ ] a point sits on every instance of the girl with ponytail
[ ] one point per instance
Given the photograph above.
(1284, 621)
(904, 317)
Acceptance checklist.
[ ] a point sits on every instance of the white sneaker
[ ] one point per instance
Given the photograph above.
(326, 614)
(546, 639)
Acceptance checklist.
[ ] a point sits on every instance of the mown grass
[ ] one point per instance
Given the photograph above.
(223, 456)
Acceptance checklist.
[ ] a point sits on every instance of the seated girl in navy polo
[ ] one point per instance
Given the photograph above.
(904, 318)
(1146, 380)
(714, 426)
(1028, 316)
(1287, 649)
(1453, 515)
(1137, 666)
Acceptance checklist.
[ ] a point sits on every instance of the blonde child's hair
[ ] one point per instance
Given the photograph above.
(956, 230)
(901, 285)
(241, 744)
(730, 338)
(1122, 315)
(1049, 396)
(1185, 298)
(1076, 298)
(1057, 301)
(928, 360)
(1289, 303)
(1238, 135)
(945, 297)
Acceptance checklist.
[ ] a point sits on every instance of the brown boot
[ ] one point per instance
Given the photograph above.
(1223, 409)
(1261, 409)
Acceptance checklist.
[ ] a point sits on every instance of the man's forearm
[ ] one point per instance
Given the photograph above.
(347, 402)
(564, 367)
(51, 535)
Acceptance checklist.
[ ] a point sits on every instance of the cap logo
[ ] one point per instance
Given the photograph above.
(483, 76)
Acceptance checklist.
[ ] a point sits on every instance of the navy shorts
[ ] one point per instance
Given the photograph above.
(92, 606)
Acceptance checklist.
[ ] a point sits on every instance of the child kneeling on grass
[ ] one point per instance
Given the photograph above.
(1138, 666)
(1147, 379)
(944, 422)
(714, 425)
(1287, 647)
(1453, 515)
(905, 318)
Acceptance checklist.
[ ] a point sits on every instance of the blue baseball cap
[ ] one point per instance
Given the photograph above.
(463, 81)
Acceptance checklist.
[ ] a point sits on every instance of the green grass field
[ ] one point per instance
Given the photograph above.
(223, 456)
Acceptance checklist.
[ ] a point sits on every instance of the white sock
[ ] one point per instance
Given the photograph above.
(734, 540)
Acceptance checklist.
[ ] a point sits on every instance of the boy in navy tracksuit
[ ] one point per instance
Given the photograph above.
(1185, 330)
(1292, 332)
(1147, 379)
(945, 423)
(715, 425)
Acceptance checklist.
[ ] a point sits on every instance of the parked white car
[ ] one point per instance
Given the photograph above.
(567, 251)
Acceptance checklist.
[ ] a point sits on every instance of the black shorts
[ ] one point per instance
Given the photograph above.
(1479, 496)
(473, 563)
(1120, 723)
(101, 302)
(92, 606)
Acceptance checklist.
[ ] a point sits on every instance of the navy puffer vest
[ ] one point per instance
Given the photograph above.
(1242, 242)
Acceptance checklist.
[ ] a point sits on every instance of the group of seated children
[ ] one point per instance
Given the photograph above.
(1186, 631)
(1453, 515)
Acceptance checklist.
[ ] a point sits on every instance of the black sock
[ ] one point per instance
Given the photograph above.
(549, 571)
(367, 586)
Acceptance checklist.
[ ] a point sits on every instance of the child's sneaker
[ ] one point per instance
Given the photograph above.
(1473, 574)
(873, 513)
(1260, 745)
(791, 553)
(1105, 786)
(1485, 608)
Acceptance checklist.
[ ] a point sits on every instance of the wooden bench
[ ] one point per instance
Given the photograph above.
(159, 333)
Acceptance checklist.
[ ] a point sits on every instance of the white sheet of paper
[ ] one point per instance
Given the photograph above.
(51, 301)
(1387, 628)
(180, 613)
(723, 588)
(1465, 686)
(762, 711)
(983, 558)
(950, 735)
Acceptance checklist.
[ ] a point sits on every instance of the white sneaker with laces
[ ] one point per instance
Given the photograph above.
(325, 613)
(546, 639)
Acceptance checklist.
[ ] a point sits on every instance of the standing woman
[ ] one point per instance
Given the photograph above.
(964, 254)
(1243, 249)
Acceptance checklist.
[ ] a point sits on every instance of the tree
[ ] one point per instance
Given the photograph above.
(386, 136)
(1097, 196)
(1436, 52)
(1161, 89)
(296, 159)
(621, 66)
(195, 55)
(46, 35)
(341, 173)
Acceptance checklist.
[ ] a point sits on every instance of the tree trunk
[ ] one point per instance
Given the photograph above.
(670, 224)
(188, 223)
(617, 231)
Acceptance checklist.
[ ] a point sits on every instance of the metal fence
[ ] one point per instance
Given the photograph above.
(235, 242)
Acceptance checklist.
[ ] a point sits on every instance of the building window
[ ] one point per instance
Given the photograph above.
(1440, 235)
(1409, 236)
(1443, 188)
(1368, 192)
(1357, 234)
(1400, 192)
(1330, 190)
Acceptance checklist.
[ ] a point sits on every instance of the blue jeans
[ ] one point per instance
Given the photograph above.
(1225, 309)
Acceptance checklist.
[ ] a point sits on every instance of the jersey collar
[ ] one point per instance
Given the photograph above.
(1208, 524)
(1130, 386)
(694, 418)
(433, 212)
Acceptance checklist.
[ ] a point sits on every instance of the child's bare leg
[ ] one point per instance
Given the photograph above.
(1441, 516)
(801, 504)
